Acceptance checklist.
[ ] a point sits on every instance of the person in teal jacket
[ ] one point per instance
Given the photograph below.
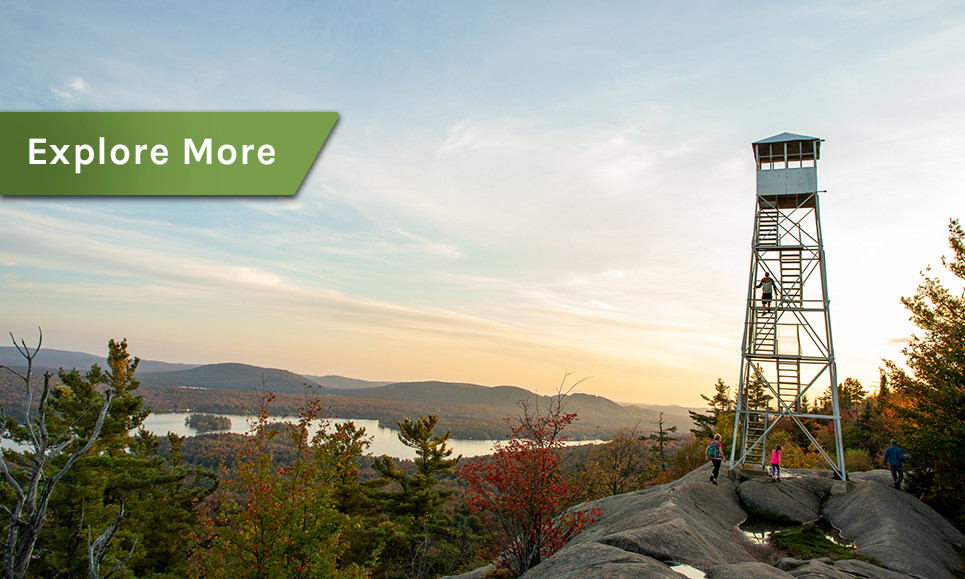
(715, 452)
(895, 459)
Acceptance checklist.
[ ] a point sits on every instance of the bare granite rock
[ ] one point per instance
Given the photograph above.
(796, 498)
(603, 561)
(691, 521)
(896, 529)
(863, 569)
(880, 475)
(788, 563)
(688, 521)
(820, 570)
(745, 570)
(474, 574)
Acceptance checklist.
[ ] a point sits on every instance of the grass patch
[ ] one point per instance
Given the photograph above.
(811, 543)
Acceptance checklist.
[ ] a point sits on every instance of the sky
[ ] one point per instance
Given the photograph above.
(515, 193)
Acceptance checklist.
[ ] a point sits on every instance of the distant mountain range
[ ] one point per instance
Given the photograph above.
(470, 410)
(54, 359)
(344, 383)
(234, 376)
(230, 376)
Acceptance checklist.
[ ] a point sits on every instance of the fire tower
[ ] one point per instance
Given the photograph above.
(787, 353)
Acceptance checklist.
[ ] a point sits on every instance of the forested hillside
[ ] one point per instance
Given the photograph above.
(230, 376)
(469, 411)
(343, 383)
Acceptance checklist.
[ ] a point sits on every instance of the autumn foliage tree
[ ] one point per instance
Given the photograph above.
(522, 492)
(930, 400)
(274, 518)
(619, 466)
(877, 423)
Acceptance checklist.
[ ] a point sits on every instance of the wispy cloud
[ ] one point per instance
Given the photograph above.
(72, 90)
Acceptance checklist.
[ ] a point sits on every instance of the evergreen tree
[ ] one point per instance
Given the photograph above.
(662, 438)
(757, 393)
(114, 493)
(421, 538)
(715, 420)
(850, 395)
(122, 472)
(340, 452)
(31, 477)
(417, 495)
(930, 401)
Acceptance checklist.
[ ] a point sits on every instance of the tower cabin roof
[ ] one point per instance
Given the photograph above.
(784, 138)
(787, 147)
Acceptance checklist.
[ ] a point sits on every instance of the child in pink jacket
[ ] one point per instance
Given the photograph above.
(776, 464)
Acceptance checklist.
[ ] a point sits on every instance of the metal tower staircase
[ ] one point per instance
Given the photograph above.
(768, 231)
(787, 348)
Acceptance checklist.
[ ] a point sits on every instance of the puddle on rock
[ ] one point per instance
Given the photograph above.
(758, 531)
(688, 571)
(834, 535)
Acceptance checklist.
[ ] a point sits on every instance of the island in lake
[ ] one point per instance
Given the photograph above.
(207, 422)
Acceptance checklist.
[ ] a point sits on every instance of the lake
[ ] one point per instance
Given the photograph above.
(384, 440)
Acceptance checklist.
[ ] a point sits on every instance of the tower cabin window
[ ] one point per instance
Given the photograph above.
(787, 155)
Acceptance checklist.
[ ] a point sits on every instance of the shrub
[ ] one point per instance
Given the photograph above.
(523, 494)
(857, 460)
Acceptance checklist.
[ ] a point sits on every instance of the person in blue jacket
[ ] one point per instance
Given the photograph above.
(895, 459)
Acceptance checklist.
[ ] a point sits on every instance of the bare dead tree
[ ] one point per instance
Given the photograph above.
(662, 438)
(98, 547)
(32, 495)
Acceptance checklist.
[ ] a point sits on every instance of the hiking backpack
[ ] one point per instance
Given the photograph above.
(714, 450)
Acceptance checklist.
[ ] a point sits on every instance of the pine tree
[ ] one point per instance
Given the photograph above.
(417, 495)
(421, 535)
(32, 476)
(662, 439)
(123, 480)
(930, 401)
(340, 453)
(101, 487)
(715, 420)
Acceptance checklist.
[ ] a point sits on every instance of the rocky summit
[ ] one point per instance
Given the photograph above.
(690, 522)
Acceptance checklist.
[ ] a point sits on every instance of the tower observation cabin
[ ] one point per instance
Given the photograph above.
(787, 360)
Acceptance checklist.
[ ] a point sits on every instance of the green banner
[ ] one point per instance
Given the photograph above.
(238, 153)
